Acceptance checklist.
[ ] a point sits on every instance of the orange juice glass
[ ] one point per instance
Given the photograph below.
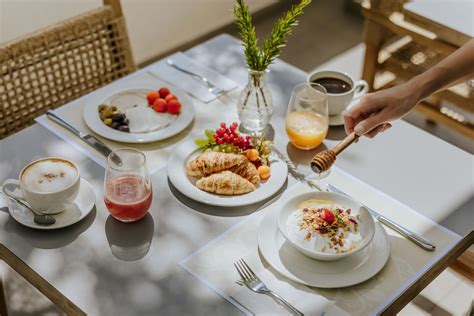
(307, 118)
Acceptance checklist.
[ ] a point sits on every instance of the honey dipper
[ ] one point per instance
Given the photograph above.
(324, 160)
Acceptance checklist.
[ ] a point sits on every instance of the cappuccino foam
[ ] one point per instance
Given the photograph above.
(49, 175)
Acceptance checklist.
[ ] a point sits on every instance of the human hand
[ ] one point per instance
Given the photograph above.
(375, 110)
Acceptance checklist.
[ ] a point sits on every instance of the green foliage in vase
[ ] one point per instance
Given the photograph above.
(259, 58)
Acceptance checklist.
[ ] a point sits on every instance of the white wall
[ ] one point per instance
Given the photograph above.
(154, 26)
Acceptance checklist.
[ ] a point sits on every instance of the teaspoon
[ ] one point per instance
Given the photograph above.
(40, 219)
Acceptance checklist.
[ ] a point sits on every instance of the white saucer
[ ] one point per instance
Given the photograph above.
(338, 120)
(300, 268)
(185, 184)
(83, 205)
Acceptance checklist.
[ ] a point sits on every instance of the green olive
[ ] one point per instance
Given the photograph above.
(108, 121)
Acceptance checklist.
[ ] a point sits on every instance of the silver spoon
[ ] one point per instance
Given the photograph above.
(40, 219)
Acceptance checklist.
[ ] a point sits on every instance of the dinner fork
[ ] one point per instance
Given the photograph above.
(253, 282)
(211, 87)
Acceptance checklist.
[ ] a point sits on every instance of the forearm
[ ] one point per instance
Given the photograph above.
(455, 68)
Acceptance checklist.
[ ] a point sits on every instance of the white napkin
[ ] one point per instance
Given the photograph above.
(303, 298)
(189, 83)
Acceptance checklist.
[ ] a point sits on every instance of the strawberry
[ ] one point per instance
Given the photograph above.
(152, 96)
(164, 92)
(327, 215)
(174, 107)
(170, 97)
(160, 105)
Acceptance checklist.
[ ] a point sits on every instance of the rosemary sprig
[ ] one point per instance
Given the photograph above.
(259, 58)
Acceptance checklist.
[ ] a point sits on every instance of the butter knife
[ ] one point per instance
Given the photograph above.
(87, 138)
(414, 237)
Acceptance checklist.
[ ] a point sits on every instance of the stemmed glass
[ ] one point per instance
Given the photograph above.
(127, 187)
(307, 119)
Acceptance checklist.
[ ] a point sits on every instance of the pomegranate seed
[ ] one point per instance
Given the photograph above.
(223, 125)
(348, 211)
(219, 141)
(353, 220)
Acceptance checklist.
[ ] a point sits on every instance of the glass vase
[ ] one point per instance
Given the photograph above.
(255, 106)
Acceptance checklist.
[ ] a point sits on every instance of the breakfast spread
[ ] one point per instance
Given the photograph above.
(230, 164)
(325, 227)
(160, 109)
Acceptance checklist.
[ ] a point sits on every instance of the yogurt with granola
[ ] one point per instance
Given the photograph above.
(322, 226)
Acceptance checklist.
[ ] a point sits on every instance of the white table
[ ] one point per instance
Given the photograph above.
(424, 172)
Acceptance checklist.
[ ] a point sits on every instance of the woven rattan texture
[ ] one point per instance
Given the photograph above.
(50, 68)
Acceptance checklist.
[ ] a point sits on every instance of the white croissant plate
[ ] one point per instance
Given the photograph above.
(186, 185)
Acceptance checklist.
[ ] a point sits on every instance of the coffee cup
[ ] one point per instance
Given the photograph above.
(48, 185)
(341, 89)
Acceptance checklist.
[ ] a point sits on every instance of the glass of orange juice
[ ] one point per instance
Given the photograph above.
(307, 118)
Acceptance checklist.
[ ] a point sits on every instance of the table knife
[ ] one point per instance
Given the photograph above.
(87, 138)
(414, 237)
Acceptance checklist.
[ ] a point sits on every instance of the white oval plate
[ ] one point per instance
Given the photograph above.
(296, 266)
(93, 121)
(185, 185)
(83, 205)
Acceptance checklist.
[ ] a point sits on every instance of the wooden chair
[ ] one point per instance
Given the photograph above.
(398, 48)
(33, 278)
(58, 64)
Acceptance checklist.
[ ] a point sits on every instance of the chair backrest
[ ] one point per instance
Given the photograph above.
(58, 64)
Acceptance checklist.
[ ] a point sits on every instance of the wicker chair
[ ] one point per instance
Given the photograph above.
(58, 64)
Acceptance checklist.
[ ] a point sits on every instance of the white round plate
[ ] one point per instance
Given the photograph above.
(93, 121)
(185, 185)
(83, 205)
(300, 268)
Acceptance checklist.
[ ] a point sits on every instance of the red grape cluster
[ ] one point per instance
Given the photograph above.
(228, 135)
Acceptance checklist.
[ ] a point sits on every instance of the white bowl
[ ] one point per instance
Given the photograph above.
(366, 222)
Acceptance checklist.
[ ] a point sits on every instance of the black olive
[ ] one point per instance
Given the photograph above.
(126, 121)
(124, 128)
(115, 125)
(118, 117)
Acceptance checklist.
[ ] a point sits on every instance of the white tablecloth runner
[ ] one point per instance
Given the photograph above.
(213, 264)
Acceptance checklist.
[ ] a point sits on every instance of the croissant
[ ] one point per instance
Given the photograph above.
(247, 170)
(212, 162)
(225, 183)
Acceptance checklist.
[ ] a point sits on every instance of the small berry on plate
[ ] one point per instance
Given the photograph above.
(174, 107)
(170, 97)
(264, 172)
(160, 105)
(164, 92)
(152, 96)
(252, 154)
(328, 216)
